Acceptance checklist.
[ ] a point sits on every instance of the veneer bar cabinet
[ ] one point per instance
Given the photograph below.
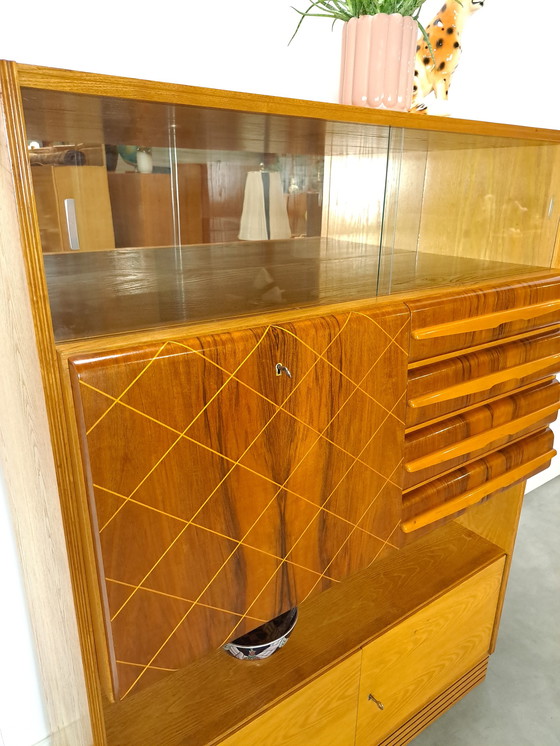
(308, 360)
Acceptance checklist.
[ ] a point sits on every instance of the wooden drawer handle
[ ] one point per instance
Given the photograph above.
(482, 440)
(488, 321)
(473, 496)
(478, 385)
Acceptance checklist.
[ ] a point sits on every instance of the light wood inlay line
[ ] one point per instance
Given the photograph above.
(183, 434)
(482, 440)
(118, 398)
(487, 321)
(182, 598)
(473, 496)
(141, 665)
(394, 338)
(477, 385)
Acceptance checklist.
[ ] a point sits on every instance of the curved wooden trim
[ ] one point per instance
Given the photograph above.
(483, 383)
(473, 496)
(488, 321)
(72, 512)
(481, 440)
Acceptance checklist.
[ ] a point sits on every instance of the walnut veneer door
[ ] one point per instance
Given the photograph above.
(413, 663)
(223, 493)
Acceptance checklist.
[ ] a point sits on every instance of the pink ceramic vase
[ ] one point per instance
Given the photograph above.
(378, 61)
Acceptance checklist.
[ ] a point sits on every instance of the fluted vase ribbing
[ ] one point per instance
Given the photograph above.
(377, 67)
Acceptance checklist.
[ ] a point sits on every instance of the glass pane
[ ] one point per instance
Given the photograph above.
(153, 214)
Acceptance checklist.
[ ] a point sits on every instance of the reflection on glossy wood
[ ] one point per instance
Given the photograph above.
(471, 314)
(87, 186)
(513, 218)
(199, 454)
(111, 292)
(412, 663)
(467, 379)
(357, 611)
(142, 207)
(470, 484)
(439, 447)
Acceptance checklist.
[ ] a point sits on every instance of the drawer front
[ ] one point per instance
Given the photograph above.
(455, 321)
(415, 661)
(322, 714)
(440, 388)
(438, 448)
(468, 485)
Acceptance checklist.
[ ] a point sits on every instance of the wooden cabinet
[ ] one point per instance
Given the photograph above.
(239, 425)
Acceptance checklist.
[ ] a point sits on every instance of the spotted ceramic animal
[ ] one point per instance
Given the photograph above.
(433, 74)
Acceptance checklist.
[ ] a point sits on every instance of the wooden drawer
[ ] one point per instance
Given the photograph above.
(322, 714)
(440, 447)
(447, 386)
(470, 484)
(415, 661)
(474, 317)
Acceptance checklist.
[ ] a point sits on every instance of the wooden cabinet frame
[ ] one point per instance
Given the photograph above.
(24, 287)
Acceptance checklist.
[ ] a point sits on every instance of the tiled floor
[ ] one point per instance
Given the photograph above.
(519, 702)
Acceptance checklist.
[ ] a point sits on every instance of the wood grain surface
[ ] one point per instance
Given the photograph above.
(497, 521)
(142, 207)
(471, 483)
(274, 487)
(440, 447)
(321, 714)
(87, 186)
(42, 81)
(411, 664)
(353, 613)
(422, 719)
(449, 385)
(489, 312)
(29, 478)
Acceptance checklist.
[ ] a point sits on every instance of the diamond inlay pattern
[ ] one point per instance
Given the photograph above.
(225, 494)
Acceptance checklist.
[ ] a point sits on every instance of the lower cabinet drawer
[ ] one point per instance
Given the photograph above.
(321, 714)
(417, 660)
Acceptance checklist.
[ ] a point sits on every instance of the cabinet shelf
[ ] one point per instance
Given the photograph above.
(110, 292)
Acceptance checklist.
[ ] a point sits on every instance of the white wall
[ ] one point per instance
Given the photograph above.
(508, 73)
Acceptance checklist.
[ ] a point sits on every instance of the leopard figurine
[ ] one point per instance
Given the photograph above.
(433, 74)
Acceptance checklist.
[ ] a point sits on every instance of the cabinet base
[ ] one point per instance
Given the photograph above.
(416, 724)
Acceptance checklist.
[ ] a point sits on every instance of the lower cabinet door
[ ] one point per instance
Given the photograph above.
(323, 713)
(411, 664)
